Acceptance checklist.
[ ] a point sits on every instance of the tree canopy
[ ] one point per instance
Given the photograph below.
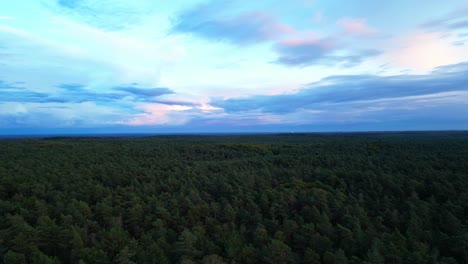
(304, 198)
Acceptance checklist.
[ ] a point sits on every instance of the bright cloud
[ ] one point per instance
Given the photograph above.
(161, 114)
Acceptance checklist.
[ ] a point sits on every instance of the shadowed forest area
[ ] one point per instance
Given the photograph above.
(289, 198)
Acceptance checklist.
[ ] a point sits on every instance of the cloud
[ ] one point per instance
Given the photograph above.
(361, 92)
(174, 111)
(348, 99)
(19, 41)
(455, 20)
(72, 4)
(77, 93)
(161, 114)
(356, 57)
(22, 106)
(28, 96)
(158, 113)
(86, 114)
(357, 27)
(176, 102)
(295, 47)
(211, 22)
(9, 86)
(23, 96)
(113, 54)
(6, 18)
(110, 59)
(306, 52)
(81, 97)
(71, 86)
(73, 104)
(106, 14)
(146, 92)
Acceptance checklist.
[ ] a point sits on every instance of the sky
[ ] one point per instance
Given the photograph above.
(220, 66)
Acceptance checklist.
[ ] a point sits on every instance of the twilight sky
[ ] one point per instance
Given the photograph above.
(125, 66)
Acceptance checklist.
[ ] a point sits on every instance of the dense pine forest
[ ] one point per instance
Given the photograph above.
(292, 198)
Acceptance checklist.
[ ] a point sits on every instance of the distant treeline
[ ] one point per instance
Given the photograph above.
(291, 198)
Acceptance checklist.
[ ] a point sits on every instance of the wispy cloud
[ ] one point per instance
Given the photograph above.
(355, 91)
(209, 21)
(106, 14)
(10, 86)
(148, 92)
(71, 86)
(28, 96)
(76, 93)
(356, 27)
(455, 20)
(6, 18)
(50, 115)
(294, 46)
(177, 102)
(108, 60)
(305, 52)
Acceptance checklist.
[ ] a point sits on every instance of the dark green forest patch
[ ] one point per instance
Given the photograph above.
(305, 198)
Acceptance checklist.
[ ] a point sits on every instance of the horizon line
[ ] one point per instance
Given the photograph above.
(155, 134)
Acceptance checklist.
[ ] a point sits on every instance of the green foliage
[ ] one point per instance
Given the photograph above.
(213, 259)
(278, 252)
(304, 198)
(14, 258)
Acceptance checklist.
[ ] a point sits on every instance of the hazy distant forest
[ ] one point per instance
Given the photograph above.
(305, 198)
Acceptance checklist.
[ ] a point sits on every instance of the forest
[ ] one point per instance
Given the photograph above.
(272, 198)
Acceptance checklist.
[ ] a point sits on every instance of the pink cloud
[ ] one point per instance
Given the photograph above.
(326, 44)
(160, 114)
(356, 27)
(167, 114)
